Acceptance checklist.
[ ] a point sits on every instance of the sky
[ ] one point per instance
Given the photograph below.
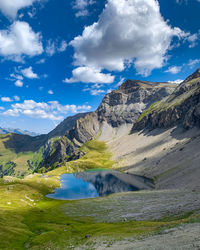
(59, 58)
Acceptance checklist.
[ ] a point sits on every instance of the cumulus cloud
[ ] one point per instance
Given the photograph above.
(50, 92)
(11, 7)
(16, 76)
(89, 75)
(51, 110)
(6, 99)
(127, 32)
(178, 81)
(20, 40)
(19, 83)
(16, 98)
(174, 69)
(82, 7)
(28, 73)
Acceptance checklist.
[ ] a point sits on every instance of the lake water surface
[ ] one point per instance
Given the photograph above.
(94, 184)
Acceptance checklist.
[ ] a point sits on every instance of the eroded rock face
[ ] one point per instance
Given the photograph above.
(122, 106)
(127, 103)
(181, 107)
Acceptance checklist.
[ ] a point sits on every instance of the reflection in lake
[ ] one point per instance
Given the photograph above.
(98, 183)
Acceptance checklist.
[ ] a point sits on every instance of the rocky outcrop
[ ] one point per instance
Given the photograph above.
(125, 105)
(65, 125)
(122, 106)
(181, 107)
(66, 148)
(84, 130)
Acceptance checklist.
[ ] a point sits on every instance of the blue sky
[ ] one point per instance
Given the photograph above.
(61, 57)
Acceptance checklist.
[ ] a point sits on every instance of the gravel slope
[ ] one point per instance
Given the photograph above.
(185, 237)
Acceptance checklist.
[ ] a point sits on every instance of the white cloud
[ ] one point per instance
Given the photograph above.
(16, 76)
(174, 69)
(11, 7)
(192, 63)
(178, 81)
(94, 92)
(6, 99)
(97, 91)
(41, 61)
(50, 92)
(20, 40)
(82, 7)
(16, 98)
(51, 48)
(28, 72)
(63, 46)
(120, 82)
(192, 39)
(19, 83)
(2, 108)
(51, 110)
(127, 32)
(89, 75)
(109, 91)
(54, 47)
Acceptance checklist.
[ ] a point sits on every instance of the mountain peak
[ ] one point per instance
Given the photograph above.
(129, 84)
(195, 75)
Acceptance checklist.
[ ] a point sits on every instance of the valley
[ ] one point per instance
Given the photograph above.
(143, 128)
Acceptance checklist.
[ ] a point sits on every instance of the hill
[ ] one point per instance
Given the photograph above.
(4, 131)
(143, 128)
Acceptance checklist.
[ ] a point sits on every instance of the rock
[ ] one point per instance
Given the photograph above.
(88, 236)
(122, 106)
(182, 107)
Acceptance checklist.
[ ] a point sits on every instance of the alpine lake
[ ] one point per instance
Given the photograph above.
(98, 183)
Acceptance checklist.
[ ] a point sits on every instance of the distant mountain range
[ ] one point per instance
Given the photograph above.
(16, 131)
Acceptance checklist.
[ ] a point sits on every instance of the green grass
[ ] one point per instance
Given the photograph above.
(148, 111)
(29, 220)
(172, 101)
(96, 157)
(20, 159)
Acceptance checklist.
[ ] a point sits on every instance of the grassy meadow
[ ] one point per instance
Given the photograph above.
(29, 220)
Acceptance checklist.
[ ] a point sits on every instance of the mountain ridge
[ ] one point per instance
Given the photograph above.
(4, 131)
(135, 105)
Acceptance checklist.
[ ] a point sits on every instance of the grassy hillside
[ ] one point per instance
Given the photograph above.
(29, 220)
(12, 162)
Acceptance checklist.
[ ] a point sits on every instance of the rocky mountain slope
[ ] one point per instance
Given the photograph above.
(182, 107)
(165, 140)
(136, 105)
(119, 108)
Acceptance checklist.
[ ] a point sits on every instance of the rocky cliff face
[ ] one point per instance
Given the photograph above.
(122, 106)
(125, 105)
(181, 107)
(65, 125)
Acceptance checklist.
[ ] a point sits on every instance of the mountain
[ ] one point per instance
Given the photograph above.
(117, 112)
(135, 106)
(17, 131)
(182, 107)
